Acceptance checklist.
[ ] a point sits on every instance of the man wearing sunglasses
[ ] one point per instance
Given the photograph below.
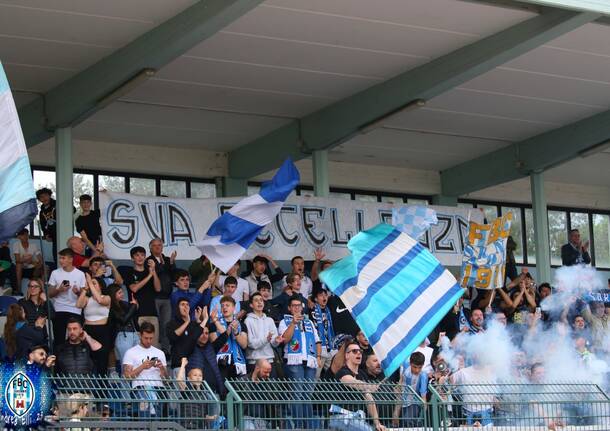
(354, 377)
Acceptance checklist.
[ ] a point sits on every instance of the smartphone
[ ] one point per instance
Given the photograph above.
(154, 359)
(65, 283)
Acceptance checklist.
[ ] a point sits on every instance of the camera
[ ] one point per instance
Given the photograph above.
(442, 368)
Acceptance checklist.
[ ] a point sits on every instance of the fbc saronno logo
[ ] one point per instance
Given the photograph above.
(26, 395)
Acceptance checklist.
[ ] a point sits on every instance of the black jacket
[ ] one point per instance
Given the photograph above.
(29, 336)
(569, 255)
(124, 320)
(182, 346)
(74, 359)
(165, 271)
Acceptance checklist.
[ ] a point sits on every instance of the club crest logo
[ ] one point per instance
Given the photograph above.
(26, 395)
(295, 346)
(20, 394)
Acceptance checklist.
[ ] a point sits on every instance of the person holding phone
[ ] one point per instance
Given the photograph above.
(65, 284)
(145, 366)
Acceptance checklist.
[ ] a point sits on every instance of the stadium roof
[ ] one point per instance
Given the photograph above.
(427, 84)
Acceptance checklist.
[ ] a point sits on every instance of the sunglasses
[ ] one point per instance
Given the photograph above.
(355, 351)
(34, 285)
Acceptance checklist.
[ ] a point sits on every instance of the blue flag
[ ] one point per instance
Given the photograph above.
(396, 290)
(17, 198)
(233, 232)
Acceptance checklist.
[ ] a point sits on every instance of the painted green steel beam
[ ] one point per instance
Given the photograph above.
(321, 183)
(79, 97)
(64, 183)
(535, 154)
(338, 122)
(597, 6)
(541, 227)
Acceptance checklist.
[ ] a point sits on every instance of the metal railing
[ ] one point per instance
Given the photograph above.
(516, 407)
(321, 405)
(116, 403)
(87, 402)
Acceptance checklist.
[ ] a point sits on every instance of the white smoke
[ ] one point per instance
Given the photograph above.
(553, 347)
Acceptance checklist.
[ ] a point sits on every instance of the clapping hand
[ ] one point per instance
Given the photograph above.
(151, 266)
(319, 254)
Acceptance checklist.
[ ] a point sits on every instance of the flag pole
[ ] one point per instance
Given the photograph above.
(46, 288)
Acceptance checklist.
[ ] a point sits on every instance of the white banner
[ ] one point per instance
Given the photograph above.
(304, 224)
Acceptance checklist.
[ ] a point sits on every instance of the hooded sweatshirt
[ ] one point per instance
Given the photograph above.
(258, 330)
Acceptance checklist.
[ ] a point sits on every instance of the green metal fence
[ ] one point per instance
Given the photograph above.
(575, 406)
(113, 403)
(321, 405)
(85, 402)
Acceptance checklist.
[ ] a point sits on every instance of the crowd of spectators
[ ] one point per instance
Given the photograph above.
(152, 320)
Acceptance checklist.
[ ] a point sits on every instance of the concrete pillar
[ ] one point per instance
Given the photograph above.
(64, 183)
(321, 187)
(228, 187)
(447, 201)
(541, 228)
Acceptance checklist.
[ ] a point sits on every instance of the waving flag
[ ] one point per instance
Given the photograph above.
(232, 233)
(396, 290)
(413, 220)
(484, 259)
(17, 198)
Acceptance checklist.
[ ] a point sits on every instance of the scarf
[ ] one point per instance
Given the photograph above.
(231, 351)
(325, 332)
(463, 320)
(294, 349)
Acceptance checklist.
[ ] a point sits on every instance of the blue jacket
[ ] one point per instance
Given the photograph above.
(195, 299)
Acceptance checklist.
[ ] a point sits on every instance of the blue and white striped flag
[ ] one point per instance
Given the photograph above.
(413, 220)
(396, 290)
(232, 233)
(17, 198)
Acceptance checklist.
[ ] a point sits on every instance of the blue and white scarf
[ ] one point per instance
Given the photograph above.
(294, 349)
(463, 320)
(325, 331)
(231, 349)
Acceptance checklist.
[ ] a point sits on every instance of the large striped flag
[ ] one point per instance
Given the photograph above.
(396, 290)
(17, 199)
(232, 233)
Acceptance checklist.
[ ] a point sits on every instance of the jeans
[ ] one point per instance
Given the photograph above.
(412, 416)
(301, 410)
(124, 341)
(164, 311)
(484, 417)
(151, 407)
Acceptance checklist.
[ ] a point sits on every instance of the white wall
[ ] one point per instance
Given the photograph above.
(209, 164)
(136, 158)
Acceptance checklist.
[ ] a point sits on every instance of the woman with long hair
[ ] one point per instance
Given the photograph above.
(35, 301)
(15, 319)
(96, 309)
(124, 321)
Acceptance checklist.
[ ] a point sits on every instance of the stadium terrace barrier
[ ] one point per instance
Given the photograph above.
(520, 407)
(88, 402)
(320, 405)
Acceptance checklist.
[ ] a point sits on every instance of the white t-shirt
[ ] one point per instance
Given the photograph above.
(32, 250)
(66, 301)
(242, 287)
(306, 286)
(136, 356)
